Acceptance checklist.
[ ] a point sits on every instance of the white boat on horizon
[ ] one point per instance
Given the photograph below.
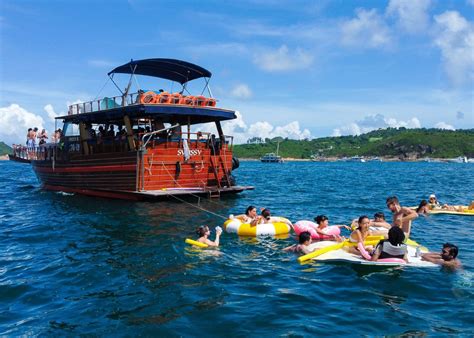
(272, 157)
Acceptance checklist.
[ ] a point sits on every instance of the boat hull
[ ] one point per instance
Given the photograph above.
(161, 172)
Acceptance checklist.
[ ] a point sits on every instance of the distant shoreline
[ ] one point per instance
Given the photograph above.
(336, 159)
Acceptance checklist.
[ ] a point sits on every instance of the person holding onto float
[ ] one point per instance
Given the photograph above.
(446, 258)
(423, 208)
(393, 247)
(359, 236)
(250, 216)
(303, 246)
(323, 223)
(402, 216)
(203, 232)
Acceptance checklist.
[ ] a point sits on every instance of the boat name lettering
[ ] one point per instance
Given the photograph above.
(192, 152)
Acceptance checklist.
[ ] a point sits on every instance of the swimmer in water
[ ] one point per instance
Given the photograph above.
(203, 232)
(446, 258)
(303, 246)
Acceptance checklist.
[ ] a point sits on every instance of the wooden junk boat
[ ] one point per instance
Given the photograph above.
(141, 145)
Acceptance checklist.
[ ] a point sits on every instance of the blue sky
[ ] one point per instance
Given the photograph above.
(298, 69)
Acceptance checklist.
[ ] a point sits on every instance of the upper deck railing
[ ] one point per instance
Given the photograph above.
(149, 97)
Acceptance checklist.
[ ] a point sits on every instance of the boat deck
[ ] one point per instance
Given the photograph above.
(189, 191)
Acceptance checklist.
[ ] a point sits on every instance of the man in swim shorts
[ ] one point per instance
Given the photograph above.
(402, 216)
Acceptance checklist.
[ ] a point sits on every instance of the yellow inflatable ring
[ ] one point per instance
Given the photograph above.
(279, 226)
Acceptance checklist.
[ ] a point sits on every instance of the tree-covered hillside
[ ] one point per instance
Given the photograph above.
(392, 142)
(4, 149)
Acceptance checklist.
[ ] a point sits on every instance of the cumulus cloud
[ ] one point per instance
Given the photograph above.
(241, 91)
(15, 122)
(367, 29)
(443, 125)
(412, 16)
(455, 39)
(373, 122)
(283, 59)
(263, 129)
(50, 111)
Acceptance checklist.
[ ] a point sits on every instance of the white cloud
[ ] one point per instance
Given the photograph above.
(373, 122)
(367, 30)
(51, 113)
(412, 16)
(443, 125)
(455, 39)
(15, 122)
(241, 132)
(241, 91)
(283, 60)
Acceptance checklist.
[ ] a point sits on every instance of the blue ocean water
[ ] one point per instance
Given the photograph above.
(73, 265)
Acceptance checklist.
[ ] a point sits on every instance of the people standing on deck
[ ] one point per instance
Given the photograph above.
(28, 136)
(402, 216)
(111, 132)
(57, 135)
(43, 136)
(446, 258)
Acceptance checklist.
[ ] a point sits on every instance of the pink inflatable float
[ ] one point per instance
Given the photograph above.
(309, 226)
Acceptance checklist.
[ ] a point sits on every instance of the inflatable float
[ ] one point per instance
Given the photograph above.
(278, 226)
(328, 253)
(330, 231)
(196, 243)
(465, 211)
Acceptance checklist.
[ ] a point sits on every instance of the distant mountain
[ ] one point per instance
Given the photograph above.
(392, 142)
(4, 149)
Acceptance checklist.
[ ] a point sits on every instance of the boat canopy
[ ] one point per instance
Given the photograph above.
(170, 69)
(165, 113)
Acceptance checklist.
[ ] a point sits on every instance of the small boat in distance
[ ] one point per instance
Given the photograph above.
(272, 157)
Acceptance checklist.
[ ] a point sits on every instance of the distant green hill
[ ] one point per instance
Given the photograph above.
(392, 142)
(4, 149)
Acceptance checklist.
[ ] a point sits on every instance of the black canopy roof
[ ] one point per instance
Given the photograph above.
(167, 113)
(170, 69)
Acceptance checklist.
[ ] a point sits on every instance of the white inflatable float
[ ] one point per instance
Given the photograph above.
(341, 255)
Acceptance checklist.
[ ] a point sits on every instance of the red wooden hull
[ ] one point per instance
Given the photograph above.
(127, 175)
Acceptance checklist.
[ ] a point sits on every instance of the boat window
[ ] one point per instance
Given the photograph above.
(70, 129)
